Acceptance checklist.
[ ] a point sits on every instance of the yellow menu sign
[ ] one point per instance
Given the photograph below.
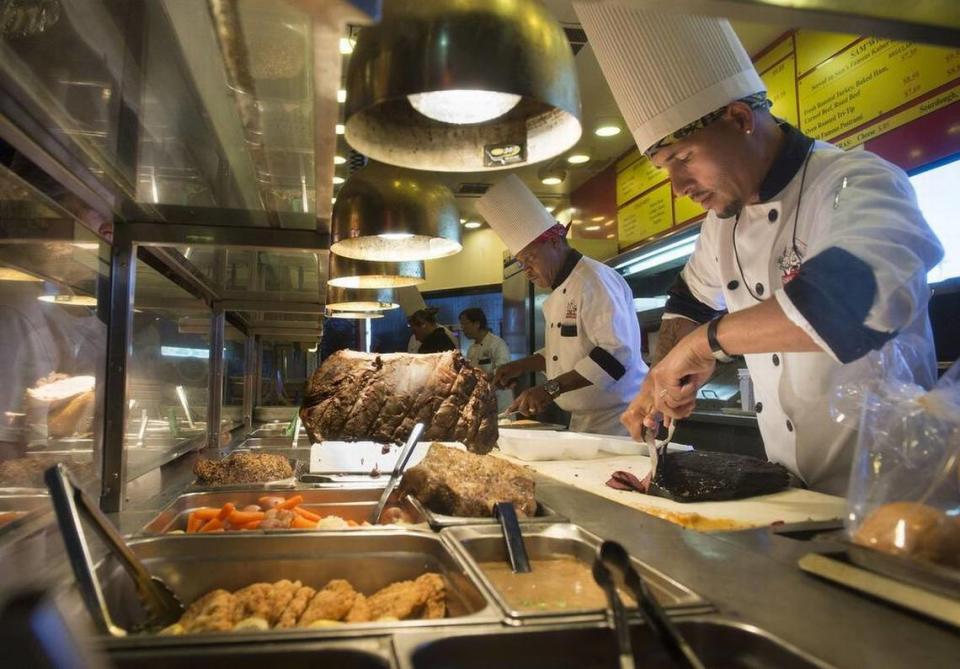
(781, 85)
(814, 48)
(645, 216)
(640, 177)
(685, 209)
(869, 79)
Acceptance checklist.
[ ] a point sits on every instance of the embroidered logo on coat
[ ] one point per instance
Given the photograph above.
(789, 262)
(571, 311)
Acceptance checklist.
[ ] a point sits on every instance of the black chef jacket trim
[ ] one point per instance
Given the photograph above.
(834, 290)
(568, 330)
(608, 363)
(788, 162)
(567, 267)
(680, 301)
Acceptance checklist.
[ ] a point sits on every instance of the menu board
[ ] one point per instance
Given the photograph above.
(640, 177)
(871, 78)
(646, 215)
(685, 209)
(781, 82)
(911, 113)
(814, 48)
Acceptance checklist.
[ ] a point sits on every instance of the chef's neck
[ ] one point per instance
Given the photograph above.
(764, 144)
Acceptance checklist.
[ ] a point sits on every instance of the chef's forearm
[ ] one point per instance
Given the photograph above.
(534, 363)
(763, 328)
(671, 331)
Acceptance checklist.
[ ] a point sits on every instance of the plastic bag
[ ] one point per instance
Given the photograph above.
(904, 491)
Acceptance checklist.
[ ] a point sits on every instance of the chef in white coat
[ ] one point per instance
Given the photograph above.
(809, 257)
(591, 356)
(488, 351)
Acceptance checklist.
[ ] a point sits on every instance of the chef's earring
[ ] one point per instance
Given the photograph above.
(749, 131)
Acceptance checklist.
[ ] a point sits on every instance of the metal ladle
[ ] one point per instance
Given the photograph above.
(161, 604)
(616, 560)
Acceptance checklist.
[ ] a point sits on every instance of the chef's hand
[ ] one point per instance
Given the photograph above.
(641, 410)
(506, 375)
(531, 401)
(679, 375)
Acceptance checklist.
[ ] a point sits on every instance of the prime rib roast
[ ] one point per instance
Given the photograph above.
(457, 483)
(379, 397)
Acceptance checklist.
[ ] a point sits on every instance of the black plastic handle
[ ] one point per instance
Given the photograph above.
(512, 537)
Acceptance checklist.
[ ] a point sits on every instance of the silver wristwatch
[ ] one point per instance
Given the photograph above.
(552, 388)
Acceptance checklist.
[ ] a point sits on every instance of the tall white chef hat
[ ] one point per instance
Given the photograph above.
(667, 70)
(514, 213)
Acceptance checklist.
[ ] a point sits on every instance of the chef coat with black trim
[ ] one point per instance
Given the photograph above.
(846, 257)
(592, 328)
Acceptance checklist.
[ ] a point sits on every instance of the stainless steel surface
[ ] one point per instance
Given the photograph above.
(385, 200)
(722, 643)
(215, 373)
(545, 540)
(439, 520)
(194, 565)
(415, 433)
(348, 273)
(159, 602)
(515, 48)
(353, 503)
(922, 574)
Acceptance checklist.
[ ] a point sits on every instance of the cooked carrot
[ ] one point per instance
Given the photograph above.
(309, 515)
(226, 510)
(206, 512)
(301, 523)
(194, 523)
(290, 502)
(242, 517)
(212, 525)
(252, 525)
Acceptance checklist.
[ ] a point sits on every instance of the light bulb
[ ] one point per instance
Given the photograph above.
(551, 181)
(463, 106)
(394, 236)
(607, 130)
(578, 158)
(472, 225)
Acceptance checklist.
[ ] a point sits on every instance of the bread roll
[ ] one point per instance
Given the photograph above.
(912, 529)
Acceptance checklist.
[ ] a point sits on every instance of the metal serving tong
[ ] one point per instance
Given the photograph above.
(161, 604)
(402, 461)
(616, 560)
(506, 513)
(657, 439)
(603, 578)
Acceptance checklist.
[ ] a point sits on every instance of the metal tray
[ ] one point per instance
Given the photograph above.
(24, 502)
(438, 520)
(348, 503)
(549, 540)
(194, 565)
(926, 575)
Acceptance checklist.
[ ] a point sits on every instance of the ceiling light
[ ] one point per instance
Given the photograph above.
(347, 273)
(607, 130)
(577, 221)
(339, 160)
(341, 96)
(354, 315)
(473, 225)
(551, 181)
(462, 87)
(550, 207)
(72, 300)
(338, 180)
(597, 218)
(339, 128)
(592, 228)
(609, 223)
(611, 236)
(578, 158)
(462, 107)
(346, 45)
(551, 175)
(350, 299)
(386, 213)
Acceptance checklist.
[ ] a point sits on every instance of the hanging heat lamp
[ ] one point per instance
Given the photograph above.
(348, 273)
(354, 315)
(462, 86)
(388, 214)
(348, 299)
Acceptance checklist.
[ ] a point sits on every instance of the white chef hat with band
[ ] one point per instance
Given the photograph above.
(666, 70)
(514, 213)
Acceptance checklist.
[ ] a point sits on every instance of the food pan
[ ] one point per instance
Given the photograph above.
(194, 565)
(349, 503)
(438, 520)
(478, 544)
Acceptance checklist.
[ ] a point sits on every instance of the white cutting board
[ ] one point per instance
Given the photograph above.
(361, 457)
(790, 506)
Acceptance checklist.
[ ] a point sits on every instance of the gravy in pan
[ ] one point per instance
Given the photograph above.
(555, 584)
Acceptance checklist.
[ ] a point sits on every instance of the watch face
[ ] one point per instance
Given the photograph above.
(552, 387)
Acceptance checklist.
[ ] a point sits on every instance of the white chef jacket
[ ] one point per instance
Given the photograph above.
(854, 278)
(489, 354)
(592, 328)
